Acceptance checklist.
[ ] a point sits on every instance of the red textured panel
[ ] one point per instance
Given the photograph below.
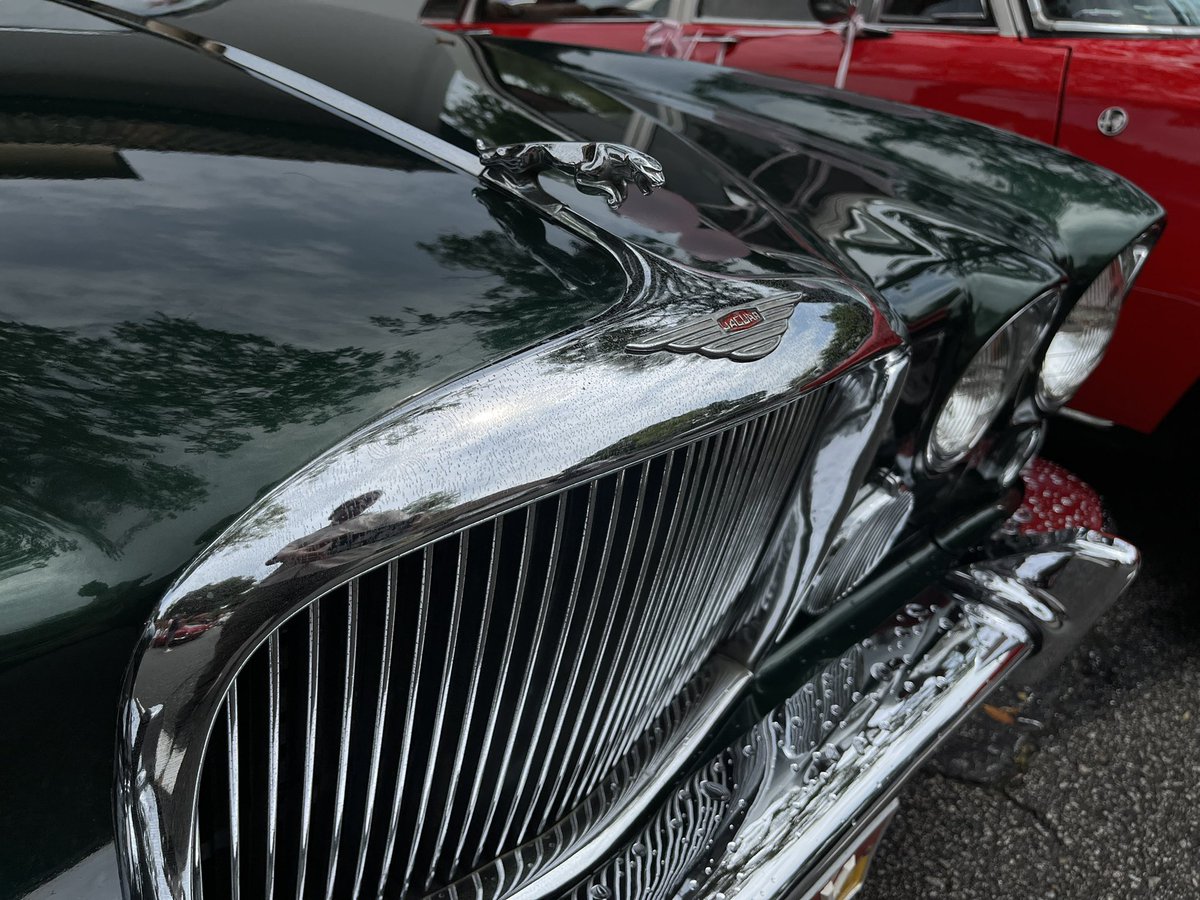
(1056, 499)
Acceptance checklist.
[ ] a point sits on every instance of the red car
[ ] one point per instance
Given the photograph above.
(1114, 81)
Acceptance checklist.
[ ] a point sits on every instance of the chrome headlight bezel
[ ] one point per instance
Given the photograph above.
(1079, 343)
(994, 374)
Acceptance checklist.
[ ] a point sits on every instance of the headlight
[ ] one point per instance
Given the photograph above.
(987, 384)
(1078, 346)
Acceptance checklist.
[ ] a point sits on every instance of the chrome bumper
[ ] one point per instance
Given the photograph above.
(784, 805)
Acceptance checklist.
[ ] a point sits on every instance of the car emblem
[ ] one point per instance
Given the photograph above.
(1112, 121)
(740, 320)
(742, 334)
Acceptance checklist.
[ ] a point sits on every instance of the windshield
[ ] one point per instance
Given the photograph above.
(1125, 12)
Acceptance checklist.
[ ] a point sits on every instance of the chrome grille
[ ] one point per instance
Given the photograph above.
(442, 709)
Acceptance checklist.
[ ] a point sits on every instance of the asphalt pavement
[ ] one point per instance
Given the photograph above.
(1086, 785)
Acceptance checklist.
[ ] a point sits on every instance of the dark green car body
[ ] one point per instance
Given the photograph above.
(205, 283)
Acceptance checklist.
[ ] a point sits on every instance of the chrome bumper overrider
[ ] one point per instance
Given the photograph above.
(789, 801)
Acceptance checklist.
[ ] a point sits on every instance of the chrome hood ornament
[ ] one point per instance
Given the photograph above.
(598, 167)
(742, 334)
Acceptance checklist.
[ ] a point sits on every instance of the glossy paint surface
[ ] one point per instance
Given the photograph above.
(1052, 89)
(1010, 84)
(205, 283)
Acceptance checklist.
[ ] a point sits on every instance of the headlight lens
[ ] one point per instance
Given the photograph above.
(987, 383)
(1078, 346)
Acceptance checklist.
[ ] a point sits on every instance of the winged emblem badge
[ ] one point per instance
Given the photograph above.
(741, 333)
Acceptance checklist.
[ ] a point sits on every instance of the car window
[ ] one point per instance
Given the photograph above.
(1125, 12)
(766, 10)
(936, 12)
(549, 10)
(443, 9)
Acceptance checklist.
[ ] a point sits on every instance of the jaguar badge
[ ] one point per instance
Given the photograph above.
(740, 320)
(741, 334)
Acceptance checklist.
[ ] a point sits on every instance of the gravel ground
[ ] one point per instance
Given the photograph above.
(1088, 784)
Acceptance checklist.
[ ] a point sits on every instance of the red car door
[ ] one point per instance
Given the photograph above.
(1154, 141)
(952, 56)
(776, 37)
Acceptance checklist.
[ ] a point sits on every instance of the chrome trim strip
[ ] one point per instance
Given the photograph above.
(470, 15)
(1044, 22)
(937, 28)
(797, 24)
(1010, 20)
(1085, 418)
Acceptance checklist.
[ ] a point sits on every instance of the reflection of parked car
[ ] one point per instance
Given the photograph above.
(437, 466)
(1117, 82)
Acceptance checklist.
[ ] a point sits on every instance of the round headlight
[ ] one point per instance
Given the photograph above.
(987, 383)
(1078, 346)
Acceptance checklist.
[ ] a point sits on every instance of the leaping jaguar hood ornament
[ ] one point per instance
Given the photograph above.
(598, 167)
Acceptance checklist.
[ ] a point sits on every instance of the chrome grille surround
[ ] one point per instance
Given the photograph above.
(393, 489)
(548, 595)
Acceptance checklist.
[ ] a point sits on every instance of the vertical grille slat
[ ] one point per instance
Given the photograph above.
(414, 686)
(556, 665)
(603, 661)
(550, 808)
(347, 720)
(439, 723)
(539, 635)
(274, 700)
(231, 749)
(502, 672)
(449, 706)
(451, 654)
(476, 674)
(310, 744)
(385, 671)
(651, 612)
